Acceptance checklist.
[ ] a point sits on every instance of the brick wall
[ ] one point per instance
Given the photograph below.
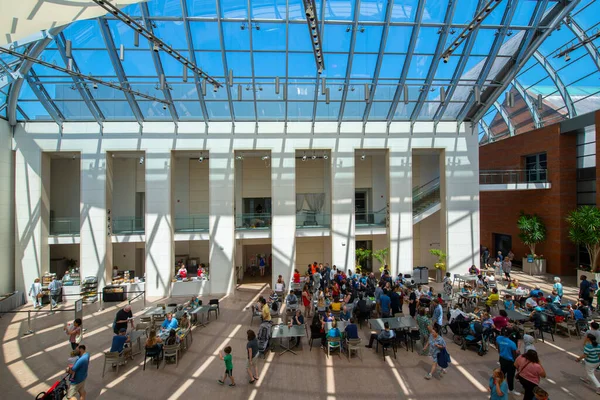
(499, 211)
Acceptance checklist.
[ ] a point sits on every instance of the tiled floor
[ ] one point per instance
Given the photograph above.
(32, 363)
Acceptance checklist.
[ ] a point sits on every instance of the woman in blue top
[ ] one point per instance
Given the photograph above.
(591, 353)
(435, 344)
(334, 332)
(558, 286)
(498, 387)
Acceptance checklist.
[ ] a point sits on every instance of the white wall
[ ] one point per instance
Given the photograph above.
(181, 186)
(311, 249)
(124, 186)
(460, 159)
(198, 183)
(426, 237)
(65, 187)
(194, 249)
(256, 178)
(7, 239)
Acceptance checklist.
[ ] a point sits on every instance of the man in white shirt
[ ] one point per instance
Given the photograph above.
(530, 303)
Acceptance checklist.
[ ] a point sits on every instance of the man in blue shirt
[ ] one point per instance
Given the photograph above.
(508, 352)
(384, 304)
(169, 323)
(438, 316)
(119, 341)
(351, 330)
(79, 372)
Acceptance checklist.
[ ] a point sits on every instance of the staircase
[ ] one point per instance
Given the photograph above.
(426, 200)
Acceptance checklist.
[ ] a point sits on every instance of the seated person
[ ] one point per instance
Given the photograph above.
(334, 332)
(273, 297)
(576, 314)
(536, 292)
(492, 298)
(351, 330)
(336, 306)
(182, 272)
(584, 308)
(291, 299)
(321, 307)
(345, 314)
(473, 270)
(385, 334)
(466, 289)
(486, 321)
(154, 340)
(419, 292)
(172, 339)
(194, 302)
(185, 322)
(457, 311)
(501, 320)
(169, 323)
(328, 317)
(490, 278)
(118, 341)
(530, 303)
(297, 319)
(509, 304)
(439, 299)
(477, 313)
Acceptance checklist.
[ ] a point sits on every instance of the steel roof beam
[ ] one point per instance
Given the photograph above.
(287, 62)
(44, 98)
(510, 70)
(26, 65)
(407, 60)
(80, 84)
(486, 130)
(505, 117)
(158, 64)
(192, 56)
(562, 89)
(580, 33)
(435, 62)
(224, 60)
(350, 59)
(382, 44)
(322, 31)
(511, 7)
(118, 67)
(249, 5)
(533, 110)
(460, 69)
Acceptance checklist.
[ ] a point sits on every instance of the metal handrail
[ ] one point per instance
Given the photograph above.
(513, 176)
(416, 188)
(421, 193)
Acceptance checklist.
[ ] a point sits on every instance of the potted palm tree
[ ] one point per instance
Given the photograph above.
(362, 255)
(381, 256)
(584, 230)
(531, 232)
(440, 265)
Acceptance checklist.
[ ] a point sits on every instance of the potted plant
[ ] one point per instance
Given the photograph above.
(585, 230)
(531, 232)
(440, 265)
(381, 256)
(362, 255)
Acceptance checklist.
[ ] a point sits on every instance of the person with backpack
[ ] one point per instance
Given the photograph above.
(252, 350)
(591, 355)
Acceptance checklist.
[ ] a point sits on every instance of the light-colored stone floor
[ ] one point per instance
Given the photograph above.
(31, 364)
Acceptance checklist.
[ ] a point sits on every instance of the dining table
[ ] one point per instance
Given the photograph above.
(281, 331)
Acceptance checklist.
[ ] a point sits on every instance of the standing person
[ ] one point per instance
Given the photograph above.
(506, 267)
(79, 372)
(585, 289)
(530, 372)
(228, 366)
(123, 317)
(558, 287)
(486, 258)
(55, 289)
(396, 301)
(423, 323)
(508, 353)
(435, 344)
(447, 285)
(412, 303)
(35, 291)
(498, 387)
(306, 301)
(591, 354)
(252, 350)
(75, 333)
(385, 304)
(261, 265)
(438, 316)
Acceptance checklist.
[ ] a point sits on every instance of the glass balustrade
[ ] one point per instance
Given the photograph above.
(191, 223)
(312, 219)
(65, 226)
(127, 225)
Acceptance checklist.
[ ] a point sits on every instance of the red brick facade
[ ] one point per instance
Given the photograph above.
(500, 210)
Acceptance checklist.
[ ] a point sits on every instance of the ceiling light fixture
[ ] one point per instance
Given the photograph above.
(314, 157)
(567, 57)
(367, 92)
(264, 158)
(201, 158)
(446, 58)
(141, 160)
(136, 39)
(313, 27)
(477, 94)
(122, 52)
(240, 92)
(325, 156)
(68, 48)
(185, 74)
(277, 85)
(540, 102)
(230, 80)
(327, 96)
(362, 158)
(304, 157)
(442, 95)
(155, 47)
(405, 89)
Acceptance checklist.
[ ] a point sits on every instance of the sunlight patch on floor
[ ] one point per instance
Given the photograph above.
(469, 377)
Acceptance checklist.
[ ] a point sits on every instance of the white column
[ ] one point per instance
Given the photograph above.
(283, 205)
(94, 238)
(400, 230)
(158, 228)
(343, 238)
(7, 272)
(28, 223)
(222, 222)
(462, 203)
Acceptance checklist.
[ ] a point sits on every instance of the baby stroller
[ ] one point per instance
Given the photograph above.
(56, 392)
(264, 337)
(477, 336)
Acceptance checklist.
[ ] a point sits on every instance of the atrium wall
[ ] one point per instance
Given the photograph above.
(7, 273)
(500, 210)
(459, 181)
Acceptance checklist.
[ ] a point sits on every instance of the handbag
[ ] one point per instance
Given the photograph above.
(443, 358)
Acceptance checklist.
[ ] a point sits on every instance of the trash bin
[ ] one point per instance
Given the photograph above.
(421, 275)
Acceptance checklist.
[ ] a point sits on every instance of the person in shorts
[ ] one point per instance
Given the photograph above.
(252, 349)
(79, 372)
(228, 366)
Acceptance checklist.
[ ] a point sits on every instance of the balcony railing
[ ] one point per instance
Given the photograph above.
(370, 218)
(495, 177)
(253, 221)
(64, 226)
(191, 223)
(128, 225)
(312, 219)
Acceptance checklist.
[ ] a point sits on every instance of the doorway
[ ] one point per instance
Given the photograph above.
(367, 264)
(502, 243)
(361, 206)
(252, 255)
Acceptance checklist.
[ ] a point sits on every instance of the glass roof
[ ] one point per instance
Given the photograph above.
(372, 50)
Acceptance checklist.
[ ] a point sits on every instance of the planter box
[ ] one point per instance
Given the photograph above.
(590, 275)
(537, 267)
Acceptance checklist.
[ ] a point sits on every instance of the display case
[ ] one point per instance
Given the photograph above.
(71, 279)
(89, 289)
(114, 294)
(46, 279)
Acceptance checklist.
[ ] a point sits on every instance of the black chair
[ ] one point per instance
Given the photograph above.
(172, 305)
(414, 336)
(155, 353)
(315, 333)
(546, 324)
(402, 337)
(214, 307)
(386, 344)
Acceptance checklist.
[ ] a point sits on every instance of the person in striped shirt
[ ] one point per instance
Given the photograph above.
(591, 354)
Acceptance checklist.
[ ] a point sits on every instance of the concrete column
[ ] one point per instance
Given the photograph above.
(45, 211)
(222, 223)
(7, 242)
(94, 234)
(461, 197)
(158, 227)
(343, 238)
(400, 230)
(28, 222)
(283, 204)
